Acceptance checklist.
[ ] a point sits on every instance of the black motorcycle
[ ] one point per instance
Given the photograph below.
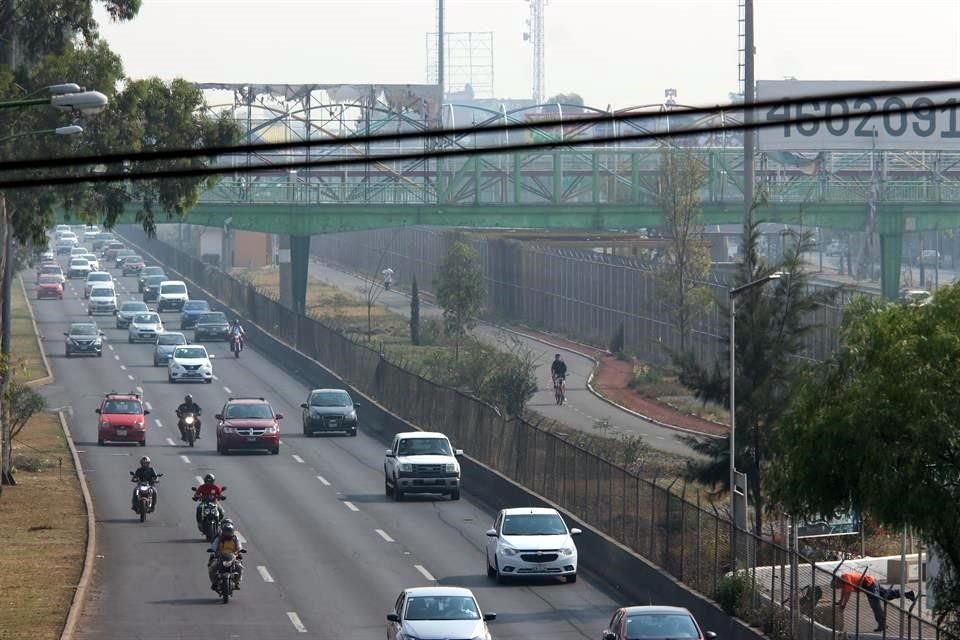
(227, 572)
(211, 516)
(189, 427)
(146, 495)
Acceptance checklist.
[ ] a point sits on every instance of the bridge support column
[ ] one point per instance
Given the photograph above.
(294, 264)
(890, 226)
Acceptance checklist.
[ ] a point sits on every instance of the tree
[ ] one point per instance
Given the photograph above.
(414, 313)
(460, 291)
(687, 254)
(874, 429)
(566, 98)
(772, 323)
(24, 402)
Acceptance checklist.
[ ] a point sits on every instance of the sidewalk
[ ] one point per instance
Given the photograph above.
(596, 386)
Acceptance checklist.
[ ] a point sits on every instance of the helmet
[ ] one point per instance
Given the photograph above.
(145, 461)
(188, 398)
(209, 478)
(228, 529)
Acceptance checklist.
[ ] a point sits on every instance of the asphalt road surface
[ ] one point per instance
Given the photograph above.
(328, 552)
(581, 410)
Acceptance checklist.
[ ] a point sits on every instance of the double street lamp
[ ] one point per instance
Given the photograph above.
(734, 292)
(70, 130)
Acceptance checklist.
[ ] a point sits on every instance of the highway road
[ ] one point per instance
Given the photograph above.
(582, 408)
(328, 552)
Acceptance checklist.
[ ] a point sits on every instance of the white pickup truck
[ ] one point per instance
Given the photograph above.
(421, 462)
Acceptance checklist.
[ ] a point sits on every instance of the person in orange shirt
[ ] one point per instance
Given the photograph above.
(847, 583)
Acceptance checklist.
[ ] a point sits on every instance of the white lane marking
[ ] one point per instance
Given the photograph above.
(298, 458)
(295, 621)
(241, 538)
(171, 442)
(130, 376)
(215, 377)
(147, 404)
(350, 505)
(110, 346)
(262, 570)
(424, 572)
(123, 368)
(198, 479)
(383, 534)
(140, 391)
(185, 459)
(116, 357)
(323, 481)
(158, 423)
(227, 389)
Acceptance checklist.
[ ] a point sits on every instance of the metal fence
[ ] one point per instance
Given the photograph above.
(582, 294)
(689, 540)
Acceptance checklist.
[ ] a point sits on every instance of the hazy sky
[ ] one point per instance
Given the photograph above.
(616, 52)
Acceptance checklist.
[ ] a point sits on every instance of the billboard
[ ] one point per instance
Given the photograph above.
(935, 127)
(844, 524)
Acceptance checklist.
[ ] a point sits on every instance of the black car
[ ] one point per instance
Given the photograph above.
(211, 325)
(147, 272)
(84, 338)
(151, 287)
(330, 411)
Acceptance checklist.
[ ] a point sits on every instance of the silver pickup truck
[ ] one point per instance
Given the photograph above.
(421, 462)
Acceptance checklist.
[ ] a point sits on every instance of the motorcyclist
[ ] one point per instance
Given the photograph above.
(226, 542)
(558, 370)
(236, 329)
(189, 406)
(147, 474)
(210, 491)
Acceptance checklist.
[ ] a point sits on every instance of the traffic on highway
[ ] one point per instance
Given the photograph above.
(328, 536)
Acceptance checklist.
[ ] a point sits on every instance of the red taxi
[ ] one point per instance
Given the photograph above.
(49, 287)
(122, 419)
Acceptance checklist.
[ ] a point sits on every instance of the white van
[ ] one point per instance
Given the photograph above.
(173, 293)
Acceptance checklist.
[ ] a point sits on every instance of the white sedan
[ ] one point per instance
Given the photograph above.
(437, 612)
(145, 327)
(531, 542)
(190, 362)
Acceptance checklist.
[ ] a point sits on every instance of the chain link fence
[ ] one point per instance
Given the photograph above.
(691, 541)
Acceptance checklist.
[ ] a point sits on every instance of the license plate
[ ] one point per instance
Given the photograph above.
(121, 432)
(251, 439)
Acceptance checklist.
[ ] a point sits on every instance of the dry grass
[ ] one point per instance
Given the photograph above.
(28, 362)
(43, 528)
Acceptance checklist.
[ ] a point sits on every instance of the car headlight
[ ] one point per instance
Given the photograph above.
(176, 366)
(406, 467)
(352, 415)
(272, 430)
(104, 425)
(451, 468)
(229, 430)
(208, 367)
(566, 551)
(509, 551)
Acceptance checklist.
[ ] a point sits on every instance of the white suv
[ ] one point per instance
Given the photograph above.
(95, 278)
(173, 293)
(531, 541)
(102, 299)
(421, 462)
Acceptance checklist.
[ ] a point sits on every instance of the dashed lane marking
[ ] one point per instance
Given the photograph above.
(350, 505)
(426, 574)
(158, 423)
(227, 389)
(123, 367)
(198, 479)
(298, 458)
(383, 534)
(323, 481)
(241, 538)
(140, 391)
(130, 376)
(110, 346)
(185, 459)
(148, 405)
(262, 570)
(295, 621)
(171, 442)
(116, 357)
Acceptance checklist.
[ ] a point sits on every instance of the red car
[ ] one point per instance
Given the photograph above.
(122, 419)
(654, 623)
(248, 423)
(49, 287)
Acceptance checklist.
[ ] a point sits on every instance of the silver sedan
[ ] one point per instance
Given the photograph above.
(145, 327)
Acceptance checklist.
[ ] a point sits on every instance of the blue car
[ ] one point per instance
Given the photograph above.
(193, 309)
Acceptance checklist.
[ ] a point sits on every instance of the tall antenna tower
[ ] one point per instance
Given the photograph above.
(535, 35)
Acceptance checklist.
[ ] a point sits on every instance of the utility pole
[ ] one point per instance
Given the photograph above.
(535, 34)
(441, 46)
(749, 85)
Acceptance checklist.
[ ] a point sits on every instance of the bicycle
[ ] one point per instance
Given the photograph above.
(559, 390)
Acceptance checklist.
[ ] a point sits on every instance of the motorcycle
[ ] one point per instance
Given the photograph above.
(227, 573)
(189, 426)
(236, 344)
(211, 516)
(145, 496)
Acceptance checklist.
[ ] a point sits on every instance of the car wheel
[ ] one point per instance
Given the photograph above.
(275, 450)
(129, 339)
(100, 441)
(397, 493)
(100, 354)
(455, 494)
(209, 380)
(170, 379)
(143, 443)
(68, 354)
(491, 572)
(571, 578)
(500, 578)
(89, 313)
(155, 363)
(353, 432)
(386, 487)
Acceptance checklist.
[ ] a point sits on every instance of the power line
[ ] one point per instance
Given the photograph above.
(579, 120)
(449, 153)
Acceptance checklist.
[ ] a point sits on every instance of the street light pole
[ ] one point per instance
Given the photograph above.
(734, 292)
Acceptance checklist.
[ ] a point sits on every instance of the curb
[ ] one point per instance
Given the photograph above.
(47, 379)
(593, 372)
(86, 575)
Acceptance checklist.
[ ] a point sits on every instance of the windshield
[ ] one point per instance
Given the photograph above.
(83, 330)
(330, 399)
(133, 259)
(134, 306)
(147, 318)
(213, 318)
(152, 271)
(255, 411)
(49, 280)
(196, 305)
(153, 281)
(190, 352)
(54, 268)
(173, 288)
(424, 447)
(99, 277)
(171, 338)
(442, 608)
(651, 626)
(79, 262)
(122, 406)
(102, 292)
(534, 524)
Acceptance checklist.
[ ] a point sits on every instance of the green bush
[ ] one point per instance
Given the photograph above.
(431, 332)
(616, 342)
(733, 593)
(643, 376)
